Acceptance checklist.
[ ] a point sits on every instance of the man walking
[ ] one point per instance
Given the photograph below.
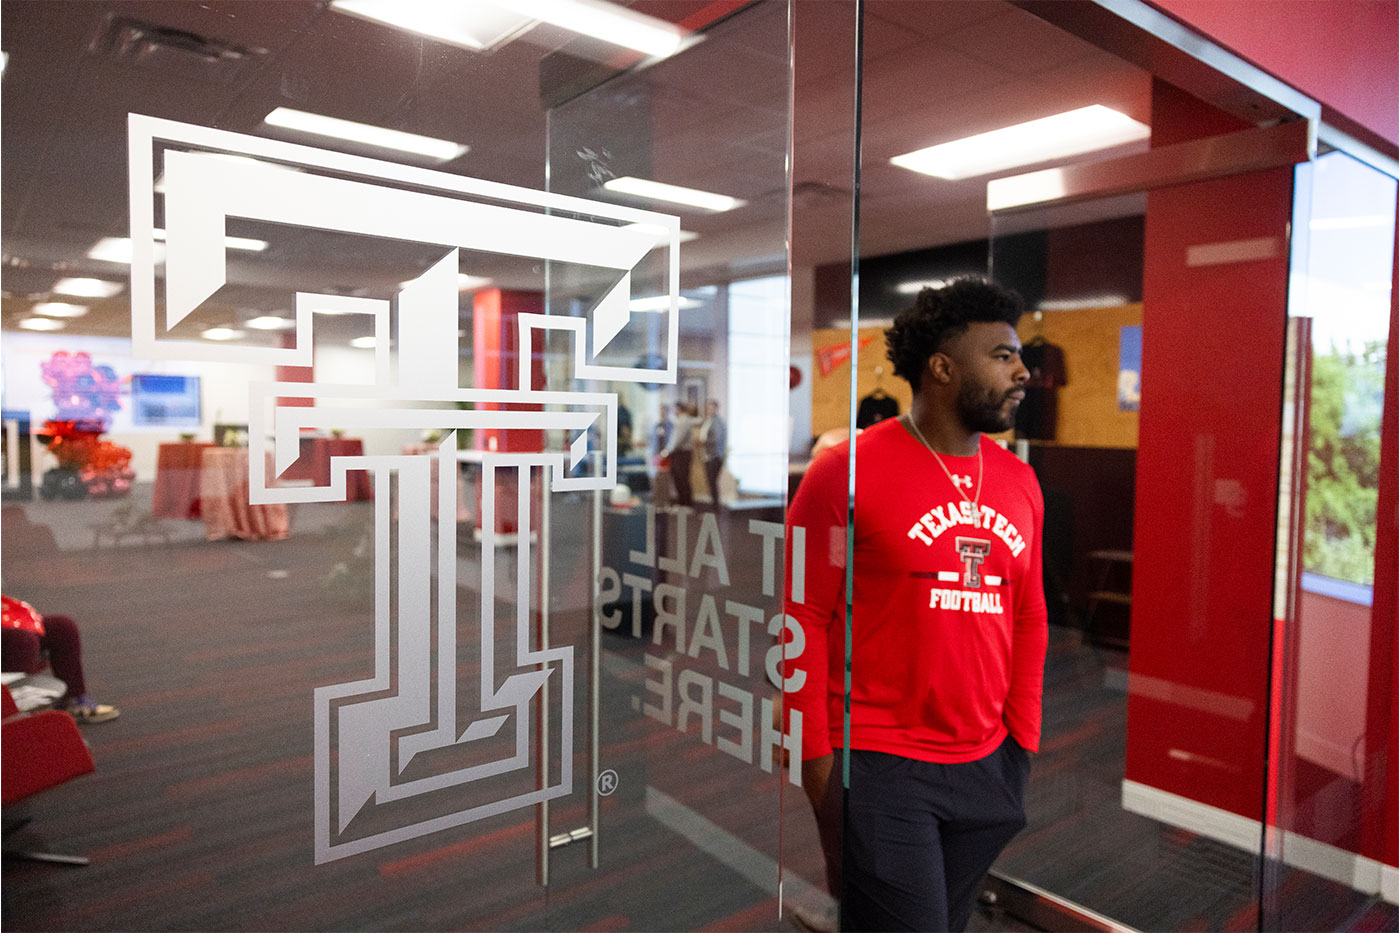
(714, 440)
(947, 628)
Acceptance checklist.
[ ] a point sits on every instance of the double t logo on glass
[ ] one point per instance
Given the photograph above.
(390, 749)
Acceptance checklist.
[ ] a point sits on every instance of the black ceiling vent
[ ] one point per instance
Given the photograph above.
(172, 52)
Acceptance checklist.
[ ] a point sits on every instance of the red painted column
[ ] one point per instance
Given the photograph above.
(1214, 311)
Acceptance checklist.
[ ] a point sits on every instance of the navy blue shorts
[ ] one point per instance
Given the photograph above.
(919, 837)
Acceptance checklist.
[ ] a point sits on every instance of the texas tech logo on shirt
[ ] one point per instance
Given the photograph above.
(972, 551)
(956, 514)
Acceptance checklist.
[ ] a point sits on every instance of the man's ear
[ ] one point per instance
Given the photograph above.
(940, 368)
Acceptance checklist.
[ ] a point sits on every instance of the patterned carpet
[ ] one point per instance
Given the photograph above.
(199, 816)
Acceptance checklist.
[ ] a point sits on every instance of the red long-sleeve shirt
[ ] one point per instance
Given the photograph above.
(948, 630)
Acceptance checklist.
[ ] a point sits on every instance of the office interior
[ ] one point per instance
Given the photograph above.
(355, 465)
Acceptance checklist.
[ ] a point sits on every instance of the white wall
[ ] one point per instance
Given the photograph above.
(223, 390)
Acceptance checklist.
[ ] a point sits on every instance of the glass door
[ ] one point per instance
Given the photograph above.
(1332, 768)
(670, 583)
(1183, 781)
(401, 415)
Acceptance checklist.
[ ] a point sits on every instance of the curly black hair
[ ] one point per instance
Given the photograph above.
(940, 314)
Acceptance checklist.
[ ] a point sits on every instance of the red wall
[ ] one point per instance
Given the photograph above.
(1206, 499)
(1339, 52)
(1344, 54)
(1381, 831)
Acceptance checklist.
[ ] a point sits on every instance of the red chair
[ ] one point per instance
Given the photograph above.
(40, 750)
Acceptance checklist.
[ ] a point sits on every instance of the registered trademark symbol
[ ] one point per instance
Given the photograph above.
(607, 782)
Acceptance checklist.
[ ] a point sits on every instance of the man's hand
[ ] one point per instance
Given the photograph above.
(816, 772)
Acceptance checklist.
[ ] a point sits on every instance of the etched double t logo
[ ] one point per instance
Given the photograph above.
(394, 752)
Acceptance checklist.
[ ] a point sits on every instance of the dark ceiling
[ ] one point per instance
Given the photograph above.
(933, 71)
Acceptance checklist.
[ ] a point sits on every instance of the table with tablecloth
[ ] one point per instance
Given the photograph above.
(223, 490)
(176, 490)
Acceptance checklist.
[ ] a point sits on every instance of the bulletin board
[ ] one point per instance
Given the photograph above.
(831, 375)
(1089, 410)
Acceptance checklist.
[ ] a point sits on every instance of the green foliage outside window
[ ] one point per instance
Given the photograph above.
(1339, 539)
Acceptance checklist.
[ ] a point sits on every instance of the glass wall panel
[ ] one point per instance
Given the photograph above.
(681, 563)
(1148, 785)
(822, 374)
(1334, 762)
(362, 469)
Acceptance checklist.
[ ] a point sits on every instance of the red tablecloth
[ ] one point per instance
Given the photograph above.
(176, 491)
(224, 490)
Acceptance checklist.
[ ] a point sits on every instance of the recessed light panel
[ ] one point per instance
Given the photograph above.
(440, 150)
(271, 322)
(118, 249)
(609, 22)
(485, 24)
(477, 26)
(87, 288)
(672, 194)
(221, 333)
(59, 309)
(1064, 134)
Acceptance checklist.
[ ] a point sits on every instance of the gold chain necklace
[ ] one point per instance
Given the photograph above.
(977, 499)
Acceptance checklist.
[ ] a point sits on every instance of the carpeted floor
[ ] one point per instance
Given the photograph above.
(200, 815)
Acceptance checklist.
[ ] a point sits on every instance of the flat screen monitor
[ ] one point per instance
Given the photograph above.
(161, 400)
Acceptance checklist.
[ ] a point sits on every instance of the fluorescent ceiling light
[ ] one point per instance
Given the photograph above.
(484, 24)
(1028, 188)
(221, 333)
(660, 233)
(59, 309)
(159, 187)
(672, 194)
(913, 288)
(377, 136)
(607, 21)
(87, 288)
(271, 322)
(232, 242)
(661, 303)
(362, 343)
(118, 249)
(476, 26)
(1055, 137)
(40, 323)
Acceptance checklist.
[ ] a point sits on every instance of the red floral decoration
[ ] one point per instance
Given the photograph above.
(104, 467)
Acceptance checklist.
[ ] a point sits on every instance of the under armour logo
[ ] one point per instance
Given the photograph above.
(961, 480)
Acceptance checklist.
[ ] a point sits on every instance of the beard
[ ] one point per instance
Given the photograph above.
(985, 409)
